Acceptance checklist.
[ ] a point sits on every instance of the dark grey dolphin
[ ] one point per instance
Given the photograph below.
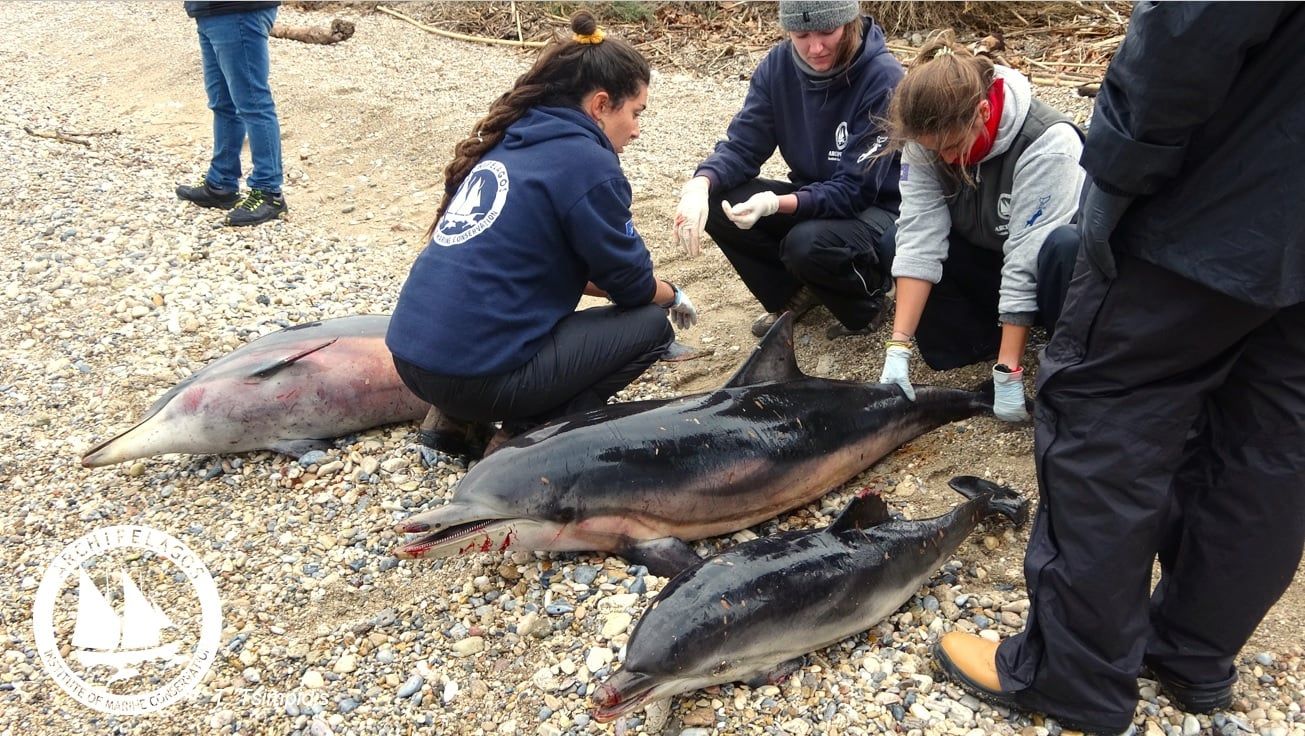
(289, 391)
(751, 612)
(640, 478)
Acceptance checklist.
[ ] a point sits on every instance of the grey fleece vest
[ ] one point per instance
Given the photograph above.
(981, 213)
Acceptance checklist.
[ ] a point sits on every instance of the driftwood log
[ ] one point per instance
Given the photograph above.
(340, 30)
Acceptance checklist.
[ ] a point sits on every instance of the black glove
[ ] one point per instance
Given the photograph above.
(1097, 220)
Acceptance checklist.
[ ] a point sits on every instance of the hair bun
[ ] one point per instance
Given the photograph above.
(583, 23)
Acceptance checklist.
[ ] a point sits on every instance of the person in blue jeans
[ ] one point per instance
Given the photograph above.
(233, 46)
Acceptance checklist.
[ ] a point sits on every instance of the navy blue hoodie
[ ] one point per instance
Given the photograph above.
(541, 214)
(823, 127)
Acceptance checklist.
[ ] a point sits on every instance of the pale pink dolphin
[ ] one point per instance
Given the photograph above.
(291, 391)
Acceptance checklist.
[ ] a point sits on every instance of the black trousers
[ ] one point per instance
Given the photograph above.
(959, 324)
(1158, 394)
(836, 259)
(590, 356)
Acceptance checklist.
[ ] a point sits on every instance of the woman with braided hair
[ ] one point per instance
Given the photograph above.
(536, 212)
(989, 180)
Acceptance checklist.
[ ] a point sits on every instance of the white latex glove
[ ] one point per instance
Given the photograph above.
(691, 215)
(1008, 394)
(683, 314)
(746, 214)
(897, 369)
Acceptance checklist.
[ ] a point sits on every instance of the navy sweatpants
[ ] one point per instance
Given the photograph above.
(959, 324)
(1170, 421)
(590, 356)
(837, 259)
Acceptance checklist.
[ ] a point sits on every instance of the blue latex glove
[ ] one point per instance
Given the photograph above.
(1008, 394)
(683, 314)
(897, 369)
(1097, 220)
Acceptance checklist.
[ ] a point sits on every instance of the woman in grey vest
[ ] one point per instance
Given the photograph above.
(989, 177)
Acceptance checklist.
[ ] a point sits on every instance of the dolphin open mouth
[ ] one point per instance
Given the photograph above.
(623, 693)
(487, 535)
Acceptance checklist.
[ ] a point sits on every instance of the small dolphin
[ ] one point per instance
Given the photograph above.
(289, 391)
(640, 478)
(750, 613)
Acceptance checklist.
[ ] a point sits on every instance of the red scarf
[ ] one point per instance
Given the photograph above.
(983, 144)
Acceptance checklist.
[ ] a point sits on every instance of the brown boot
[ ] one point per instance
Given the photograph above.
(455, 437)
(501, 436)
(971, 662)
(802, 302)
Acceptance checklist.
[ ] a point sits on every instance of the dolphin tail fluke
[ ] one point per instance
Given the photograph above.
(665, 557)
(1002, 500)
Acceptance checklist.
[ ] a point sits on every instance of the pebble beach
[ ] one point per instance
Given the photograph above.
(115, 291)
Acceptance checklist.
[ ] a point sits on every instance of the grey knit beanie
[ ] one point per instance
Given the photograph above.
(816, 15)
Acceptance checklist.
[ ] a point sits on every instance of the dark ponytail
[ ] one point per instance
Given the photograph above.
(565, 72)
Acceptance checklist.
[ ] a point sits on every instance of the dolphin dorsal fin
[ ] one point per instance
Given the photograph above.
(862, 512)
(772, 359)
(269, 370)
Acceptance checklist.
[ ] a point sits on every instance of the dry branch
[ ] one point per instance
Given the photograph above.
(459, 36)
(57, 135)
(340, 30)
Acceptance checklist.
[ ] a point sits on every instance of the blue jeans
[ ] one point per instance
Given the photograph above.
(234, 50)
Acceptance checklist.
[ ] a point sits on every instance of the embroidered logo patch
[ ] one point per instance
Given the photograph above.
(1042, 203)
(629, 228)
(1003, 206)
(475, 206)
(880, 142)
(906, 171)
(840, 136)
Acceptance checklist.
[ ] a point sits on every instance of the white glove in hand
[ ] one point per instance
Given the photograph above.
(691, 215)
(746, 214)
(683, 314)
(897, 369)
(1008, 394)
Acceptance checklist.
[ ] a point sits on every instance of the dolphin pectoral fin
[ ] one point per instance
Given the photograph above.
(776, 674)
(1002, 500)
(772, 359)
(270, 369)
(297, 448)
(665, 557)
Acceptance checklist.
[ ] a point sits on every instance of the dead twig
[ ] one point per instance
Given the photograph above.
(57, 135)
(460, 36)
(92, 133)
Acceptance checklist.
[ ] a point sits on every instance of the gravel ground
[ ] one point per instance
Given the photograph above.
(117, 291)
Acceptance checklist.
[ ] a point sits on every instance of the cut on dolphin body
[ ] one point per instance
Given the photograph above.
(751, 612)
(291, 391)
(642, 478)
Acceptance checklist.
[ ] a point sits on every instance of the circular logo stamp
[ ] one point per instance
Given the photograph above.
(475, 206)
(127, 619)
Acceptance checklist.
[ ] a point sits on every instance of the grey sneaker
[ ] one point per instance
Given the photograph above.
(801, 303)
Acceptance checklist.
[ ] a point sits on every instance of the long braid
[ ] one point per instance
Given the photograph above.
(489, 131)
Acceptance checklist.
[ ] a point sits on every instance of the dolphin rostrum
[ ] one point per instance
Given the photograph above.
(751, 612)
(641, 478)
(289, 391)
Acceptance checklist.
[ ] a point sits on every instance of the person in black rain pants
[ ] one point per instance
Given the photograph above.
(1170, 415)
